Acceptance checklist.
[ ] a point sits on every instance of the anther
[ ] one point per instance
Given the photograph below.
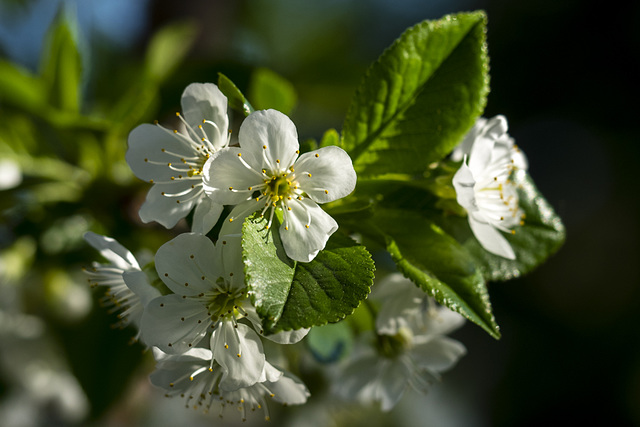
(317, 155)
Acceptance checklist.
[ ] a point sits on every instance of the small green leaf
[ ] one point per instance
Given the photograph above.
(270, 90)
(168, 47)
(237, 101)
(62, 65)
(330, 137)
(289, 295)
(436, 262)
(540, 236)
(420, 98)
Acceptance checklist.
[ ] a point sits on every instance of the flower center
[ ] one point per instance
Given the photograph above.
(225, 304)
(391, 346)
(279, 188)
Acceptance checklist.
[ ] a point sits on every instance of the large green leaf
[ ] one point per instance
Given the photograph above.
(298, 295)
(540, 236)
(435, 261)
(420, 98)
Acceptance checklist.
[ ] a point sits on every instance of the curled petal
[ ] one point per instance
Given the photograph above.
(464, 182)
(276, 132)
(309, 228)
(186, 264)
(490, 238)
(326, 174)
(204, 101)
(481, 151)
(174, 324)
(109, 248)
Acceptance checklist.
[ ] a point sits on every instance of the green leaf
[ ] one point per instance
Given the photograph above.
(269, 90)
(420, 98)
(62, 65)
(330, 137)
(436, 262)
(237, 101)
(540, 236)
(268, 271)
(167, 49)
(290, 295)
(18, 87)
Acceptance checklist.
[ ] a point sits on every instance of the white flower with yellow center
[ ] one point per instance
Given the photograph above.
(196, 378)
(484, 184)
(267, 173)
(173, 161)
(128, 287)
(411, 349)
(209, 297)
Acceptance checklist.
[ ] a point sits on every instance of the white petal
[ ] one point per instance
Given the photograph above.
(309, 229)
(289, 390)
(464, 148)
(163, 325)
(287, 337)
(356, 376)
(481, 151)
(137, 281)
(147, 142)
(204, 101)
(240, 371)
(442, 322)
(438, 354)
(490, 238)
(270, 373)
(464, 182)
(392, 384)
(332, 174)
(205, 215)
(274, 130)
(188, 265)
(227, 179)
(166, 210)
(109, 248)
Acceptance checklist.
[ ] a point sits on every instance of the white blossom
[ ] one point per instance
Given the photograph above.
(410, 350)
(267, 173)
(173, 161)
(209, 296)
(195, 377)
(128, 289)
(484, 184)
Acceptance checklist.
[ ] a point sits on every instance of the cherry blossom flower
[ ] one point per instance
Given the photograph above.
(411, 349)
(173, 161)
(268, 173)
(484, 184)
(195, 377)
(209, 296)
(128, 287)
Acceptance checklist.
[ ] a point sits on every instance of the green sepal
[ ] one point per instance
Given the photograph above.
(236, 99)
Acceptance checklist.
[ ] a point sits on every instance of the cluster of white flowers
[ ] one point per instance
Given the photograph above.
(485, 186)
(205, 333)
(195, 310)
